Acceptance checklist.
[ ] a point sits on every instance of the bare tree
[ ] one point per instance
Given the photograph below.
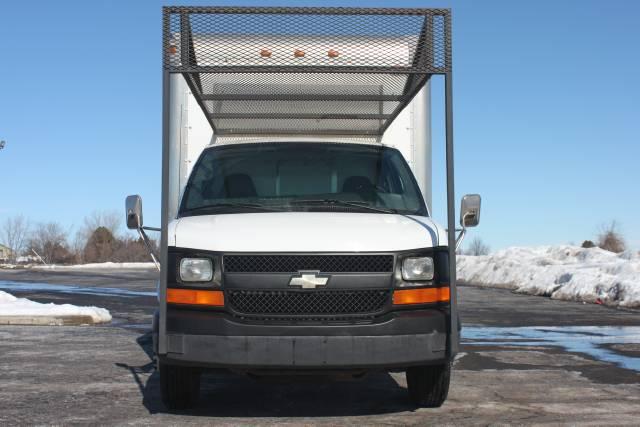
(477, 247)
(76, 246)
(111, 220)
(610, 238)
(101, 246)
(133, 250)
(49, 240)
(14, 235)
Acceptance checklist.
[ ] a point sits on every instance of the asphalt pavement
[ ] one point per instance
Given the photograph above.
(524, 360)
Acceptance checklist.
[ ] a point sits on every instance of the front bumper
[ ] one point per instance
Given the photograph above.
(415, 337)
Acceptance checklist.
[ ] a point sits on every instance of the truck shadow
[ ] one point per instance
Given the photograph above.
(233, 395)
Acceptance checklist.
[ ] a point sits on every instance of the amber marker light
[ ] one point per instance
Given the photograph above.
(421, 296)
(265, 53)
(195, 297)
(333, 53)
(298, 53)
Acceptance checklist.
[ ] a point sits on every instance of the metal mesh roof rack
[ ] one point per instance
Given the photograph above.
(290, 70)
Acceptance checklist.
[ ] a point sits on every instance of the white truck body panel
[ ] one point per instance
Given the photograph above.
(410, 133)
(305, 232)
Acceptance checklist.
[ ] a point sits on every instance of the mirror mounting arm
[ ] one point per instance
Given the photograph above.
(463, 232)
(147, 243)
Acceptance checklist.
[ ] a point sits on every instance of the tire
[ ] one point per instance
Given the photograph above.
(429, 385)
(179, 386)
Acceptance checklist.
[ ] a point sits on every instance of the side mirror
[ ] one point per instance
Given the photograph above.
(470, 210)
(133, 208)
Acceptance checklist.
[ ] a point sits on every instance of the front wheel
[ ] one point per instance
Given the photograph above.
(429, 385)
(179, 386)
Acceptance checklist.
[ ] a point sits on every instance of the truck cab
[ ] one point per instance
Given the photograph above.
(295, 250)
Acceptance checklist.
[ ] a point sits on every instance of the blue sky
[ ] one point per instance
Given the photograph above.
(546, 99)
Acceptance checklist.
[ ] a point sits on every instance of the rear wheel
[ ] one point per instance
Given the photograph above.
(179, 386)
(429, 385)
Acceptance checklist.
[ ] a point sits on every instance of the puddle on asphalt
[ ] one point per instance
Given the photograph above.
(589, 340)
(71, 289)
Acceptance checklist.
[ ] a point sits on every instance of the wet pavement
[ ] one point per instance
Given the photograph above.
(35, 287)
(587, 340)
(523, 360)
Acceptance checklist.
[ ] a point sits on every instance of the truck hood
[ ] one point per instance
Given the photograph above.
(306, 232)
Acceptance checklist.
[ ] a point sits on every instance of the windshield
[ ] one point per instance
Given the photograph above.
(301, 176)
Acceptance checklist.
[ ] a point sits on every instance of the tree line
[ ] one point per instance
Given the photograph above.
(609, 237)
(98, 239)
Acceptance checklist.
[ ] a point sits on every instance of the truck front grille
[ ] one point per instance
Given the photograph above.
(295, 263)
(287, 303)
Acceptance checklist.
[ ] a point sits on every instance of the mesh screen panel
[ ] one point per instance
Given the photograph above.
(295, 263)
(296, 303)
(336, 71)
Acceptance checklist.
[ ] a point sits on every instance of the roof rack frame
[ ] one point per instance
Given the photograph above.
(410, 45)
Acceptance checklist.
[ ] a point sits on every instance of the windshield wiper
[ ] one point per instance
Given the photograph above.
(254, 206)
(350, 203)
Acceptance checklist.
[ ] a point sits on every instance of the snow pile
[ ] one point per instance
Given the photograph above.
(560, 272)
(12, 306)
(101, 265)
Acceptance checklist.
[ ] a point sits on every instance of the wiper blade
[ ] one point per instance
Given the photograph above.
(255, 206)
(350, 203)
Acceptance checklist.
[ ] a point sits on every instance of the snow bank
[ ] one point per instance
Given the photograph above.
(99, 266)
(12, 306)
(561, 272)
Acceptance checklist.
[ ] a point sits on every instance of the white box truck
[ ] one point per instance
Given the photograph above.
(296, 233)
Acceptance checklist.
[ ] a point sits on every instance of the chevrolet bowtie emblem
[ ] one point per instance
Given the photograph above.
(308, 280)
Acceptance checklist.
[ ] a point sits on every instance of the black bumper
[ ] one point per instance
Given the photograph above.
(402, 339)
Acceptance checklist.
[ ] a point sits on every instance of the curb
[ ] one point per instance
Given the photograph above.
(47, 320)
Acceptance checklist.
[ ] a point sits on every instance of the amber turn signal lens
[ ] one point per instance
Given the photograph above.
(173, 50)
(298, 53)
(195, 297)
(265, 53)
(421, 296)
(333, 53)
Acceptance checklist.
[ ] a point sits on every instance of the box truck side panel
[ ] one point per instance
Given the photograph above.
(410, 133)
(189, 134)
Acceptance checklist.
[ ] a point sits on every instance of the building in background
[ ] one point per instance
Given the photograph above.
(5, 253)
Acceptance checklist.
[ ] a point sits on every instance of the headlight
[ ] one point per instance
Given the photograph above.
(417, 268)
(196, 270)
